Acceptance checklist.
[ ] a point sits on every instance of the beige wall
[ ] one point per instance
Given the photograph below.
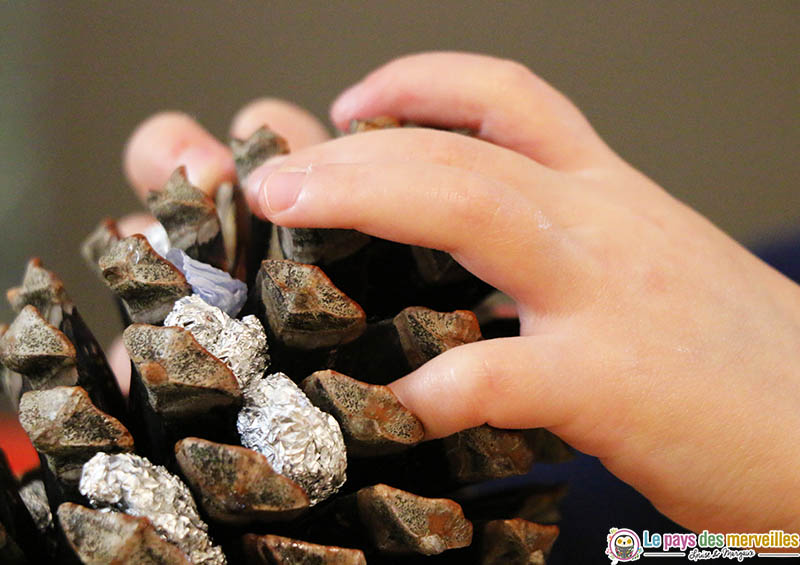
(702, 96)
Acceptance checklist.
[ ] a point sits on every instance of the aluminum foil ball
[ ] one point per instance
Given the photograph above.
(131, 484)
(240, 344)
(299, 440)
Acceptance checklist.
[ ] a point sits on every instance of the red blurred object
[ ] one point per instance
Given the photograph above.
(16, 445)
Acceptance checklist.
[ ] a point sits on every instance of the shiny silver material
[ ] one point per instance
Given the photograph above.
(300, 441)
(214, 286)
(241, 345)
(34, 497)
(131, 484)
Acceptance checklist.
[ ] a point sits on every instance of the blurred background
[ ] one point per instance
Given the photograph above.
(701, 96)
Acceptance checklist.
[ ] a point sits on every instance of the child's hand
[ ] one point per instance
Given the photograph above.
(649, 337)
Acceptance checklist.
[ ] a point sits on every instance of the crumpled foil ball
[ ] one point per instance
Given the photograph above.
(240, 344)
(131, 484)
(299, 440)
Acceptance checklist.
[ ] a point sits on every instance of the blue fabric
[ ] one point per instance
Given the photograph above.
(784, 255)
(595, 502)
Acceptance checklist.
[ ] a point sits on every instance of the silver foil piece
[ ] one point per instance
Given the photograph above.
(240, 344)
(299, 440)
(158, 238)
(214, 286)
(34, 497)
(131, 484)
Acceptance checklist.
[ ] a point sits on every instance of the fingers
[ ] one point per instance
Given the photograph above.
(120, 364)
(164, 142)
(496, 382)
(500, 99)
(298, 126)
(134, 223)
(413, 144)
(431, 205)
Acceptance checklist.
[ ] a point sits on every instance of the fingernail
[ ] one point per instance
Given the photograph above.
(254, 182)
(282, 188)
(206, 166)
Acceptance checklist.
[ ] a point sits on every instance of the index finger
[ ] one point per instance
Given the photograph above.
(167, 140)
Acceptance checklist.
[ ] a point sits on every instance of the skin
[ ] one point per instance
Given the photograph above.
(649, 339)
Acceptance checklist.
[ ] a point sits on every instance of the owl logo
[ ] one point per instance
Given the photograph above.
(623, 545)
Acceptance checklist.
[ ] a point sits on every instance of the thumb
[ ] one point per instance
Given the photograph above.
(516, 382)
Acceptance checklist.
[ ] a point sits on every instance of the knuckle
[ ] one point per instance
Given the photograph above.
(401, 63)
(445, 148)
(477, 370)
(491, 388)
(468, 202)
(476, 200)
(483, 207)
(514, 73)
